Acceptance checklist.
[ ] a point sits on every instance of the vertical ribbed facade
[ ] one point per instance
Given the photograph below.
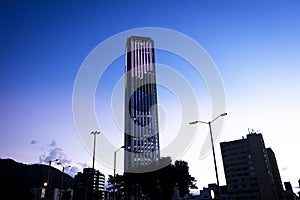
(141, 143)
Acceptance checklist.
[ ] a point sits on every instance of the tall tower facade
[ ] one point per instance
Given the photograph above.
(141, 143)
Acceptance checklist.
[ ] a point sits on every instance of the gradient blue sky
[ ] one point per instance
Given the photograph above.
(254, 44)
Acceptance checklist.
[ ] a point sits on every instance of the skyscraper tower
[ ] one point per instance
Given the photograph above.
(141, 143)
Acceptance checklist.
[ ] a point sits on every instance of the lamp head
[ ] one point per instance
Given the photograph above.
(95, 132)
(223, 114)
(195, 122)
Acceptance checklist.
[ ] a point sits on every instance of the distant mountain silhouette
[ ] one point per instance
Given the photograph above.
(17, 178)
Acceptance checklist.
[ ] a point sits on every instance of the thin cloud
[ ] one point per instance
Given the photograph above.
(284, 169)
(73, 171)
(53, 143)
(77, 168)
(53, 152)
(83, 165)
(33, 142)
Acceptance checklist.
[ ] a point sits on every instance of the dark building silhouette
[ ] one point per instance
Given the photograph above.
(210, 192)
(89, 185)
(289, 193)
(288, 186)
(275, 173)
(248, 171)
(141, 143)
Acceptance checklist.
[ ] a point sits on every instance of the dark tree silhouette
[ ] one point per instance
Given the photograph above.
(118, 187)
(159, 184)
(184, 180)
(66, 195)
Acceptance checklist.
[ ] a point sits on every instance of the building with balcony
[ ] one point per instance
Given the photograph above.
(89, 185)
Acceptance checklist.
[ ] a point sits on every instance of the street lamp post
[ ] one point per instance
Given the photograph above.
(62, 180)
(213, 148)
(48, 179)
(95, 133)
(115, 158)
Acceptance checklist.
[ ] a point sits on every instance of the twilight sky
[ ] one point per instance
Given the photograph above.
(255, 46)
